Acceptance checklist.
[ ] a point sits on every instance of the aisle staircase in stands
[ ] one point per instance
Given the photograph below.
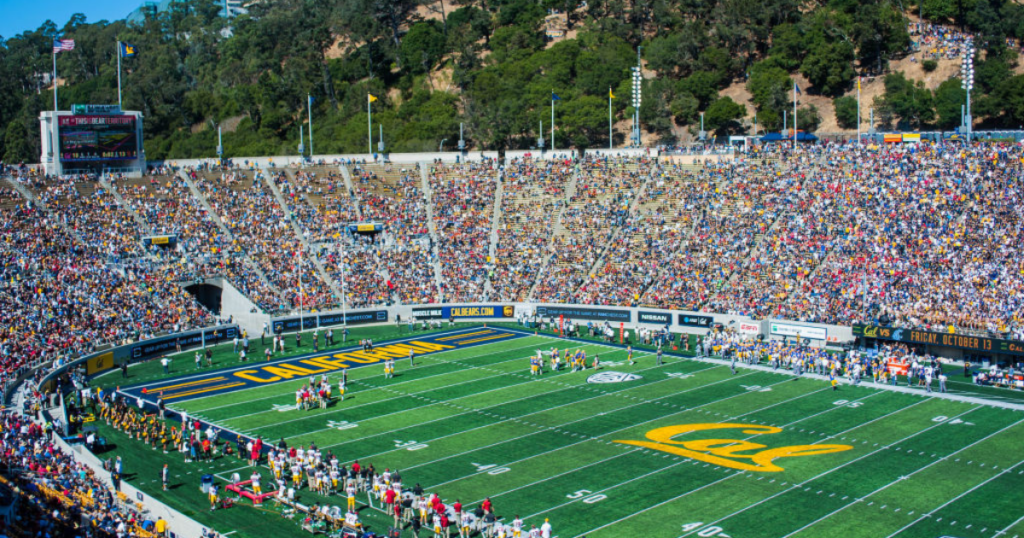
(297, 230)
(492, 250)
(557, 228)
(435, 255)
(253, 266)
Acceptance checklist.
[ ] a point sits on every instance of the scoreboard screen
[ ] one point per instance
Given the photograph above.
(98, 138)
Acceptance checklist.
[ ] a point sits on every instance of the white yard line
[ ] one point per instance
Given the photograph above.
(482, 410)
(441, 403)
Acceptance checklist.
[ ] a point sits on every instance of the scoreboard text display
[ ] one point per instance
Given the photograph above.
(98, 138)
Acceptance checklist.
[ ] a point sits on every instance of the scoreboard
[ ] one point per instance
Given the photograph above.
(85, 138)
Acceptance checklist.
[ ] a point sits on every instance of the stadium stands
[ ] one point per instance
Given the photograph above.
(927, 237)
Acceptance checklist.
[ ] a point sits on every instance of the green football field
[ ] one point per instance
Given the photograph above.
(683, 449)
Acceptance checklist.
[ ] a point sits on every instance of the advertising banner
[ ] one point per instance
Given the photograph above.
(160, 346)
(464, 312)
(799, 331)
(573, 312)
(661, 318)
(691, 320)
(960, 341)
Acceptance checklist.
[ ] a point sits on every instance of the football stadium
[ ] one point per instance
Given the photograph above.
(410, 269)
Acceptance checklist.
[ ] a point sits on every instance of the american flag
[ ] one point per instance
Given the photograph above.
(63, 44)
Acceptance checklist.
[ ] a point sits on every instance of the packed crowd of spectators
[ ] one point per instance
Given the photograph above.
(261, 229)
(598, 205)
(533, 199)
(61, 496)
(397, 262)
(925, 236)
(463, 200)
(71, 282)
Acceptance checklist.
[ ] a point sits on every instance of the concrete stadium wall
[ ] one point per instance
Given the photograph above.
(233, 303)
(178, 523)
(411, 158)
(631, 317)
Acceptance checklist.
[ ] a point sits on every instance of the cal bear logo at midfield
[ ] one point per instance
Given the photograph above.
(612, 377)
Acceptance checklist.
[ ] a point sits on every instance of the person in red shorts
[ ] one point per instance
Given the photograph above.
(445, 525)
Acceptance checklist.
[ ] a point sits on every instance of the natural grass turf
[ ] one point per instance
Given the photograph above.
(551, 442)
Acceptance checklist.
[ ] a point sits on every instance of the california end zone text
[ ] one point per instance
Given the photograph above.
(216, 382)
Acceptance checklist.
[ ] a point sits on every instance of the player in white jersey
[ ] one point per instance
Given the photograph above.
(423, 505)
(350, 492)
(256, 483)
(517, 527)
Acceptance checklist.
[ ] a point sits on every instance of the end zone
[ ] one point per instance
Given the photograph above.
(253, 374)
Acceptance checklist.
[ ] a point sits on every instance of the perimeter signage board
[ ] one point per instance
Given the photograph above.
(799, 331)
(573, 312)
(690, 320)
(159, 346)
(960, 341)
(661, 318)
(464, 312)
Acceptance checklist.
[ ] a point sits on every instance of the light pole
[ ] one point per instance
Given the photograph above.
(637, 98)
(440, 148)
(967, 83)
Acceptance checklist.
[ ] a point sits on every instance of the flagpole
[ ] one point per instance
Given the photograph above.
(344, 292)
(55, 85)
(301, 297)
(611, 138)
(119, 74)
(309, 110)
(369, 125)
(552, 120)
(858, 110)
(795, 124)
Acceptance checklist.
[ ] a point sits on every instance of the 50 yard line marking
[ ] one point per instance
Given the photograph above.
(591, 438)
(521, 416)
(900, 410)
(549, 428)
(686, 460)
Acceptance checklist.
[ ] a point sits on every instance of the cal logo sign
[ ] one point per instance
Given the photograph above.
(731, 453)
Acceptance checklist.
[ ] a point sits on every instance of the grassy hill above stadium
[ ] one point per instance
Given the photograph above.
(494, 65)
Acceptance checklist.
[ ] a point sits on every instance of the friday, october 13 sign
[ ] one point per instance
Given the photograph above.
(731, 453)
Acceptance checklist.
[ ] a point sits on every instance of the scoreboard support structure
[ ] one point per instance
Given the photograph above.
(92, 139)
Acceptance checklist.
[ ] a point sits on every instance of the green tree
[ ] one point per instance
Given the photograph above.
(949, 97)
(829, 66)
(16, 146)
(722, 116)
(422, 46)
(904, 101)
(846, 112)
(808, 119)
